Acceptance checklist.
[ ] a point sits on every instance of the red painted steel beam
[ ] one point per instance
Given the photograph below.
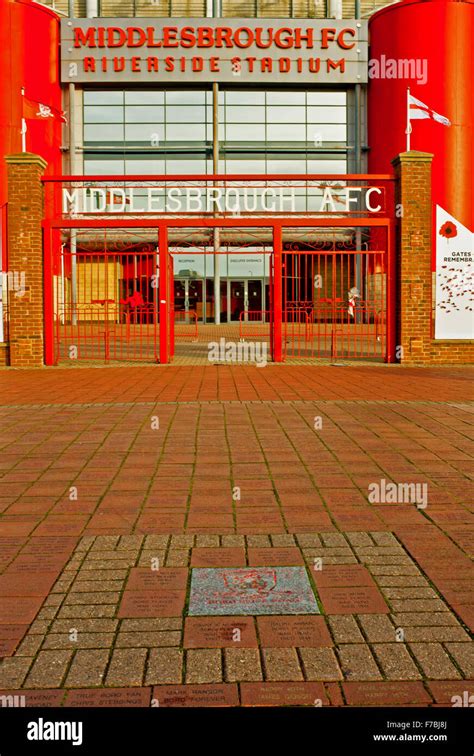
(277, 294)
(164, 305)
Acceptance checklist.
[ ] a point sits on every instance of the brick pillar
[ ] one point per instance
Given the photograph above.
(25, 259)
(414, 284)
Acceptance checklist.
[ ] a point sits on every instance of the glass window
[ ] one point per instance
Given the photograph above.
(105, 132)
(109, 97)
(326, 98)
(185, 165)
(327, 132)
(245, 132)
(286, 98)
(244, 166)
(147, 97)
(244, 98)
(185, 113)
(144, 132)
(177, 132)
(180, 97)
(286, 133)
(286, 114)
(103, 114)
(149, 167)
(103, 167)
(327, 166)
(286, 166)
(144, 114)
(326, 115)
(247, 113)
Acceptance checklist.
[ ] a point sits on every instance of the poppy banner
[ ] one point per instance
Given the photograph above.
(454, 318)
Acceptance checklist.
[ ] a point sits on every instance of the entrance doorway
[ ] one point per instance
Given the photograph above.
(244, 299)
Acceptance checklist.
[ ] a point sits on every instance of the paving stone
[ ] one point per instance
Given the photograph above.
(87, 611)
(29, 646)
(435, 619)
(182, 542)
(283, 694)
(352, 575)
(153, 624)
(382, 538)
(87, 668)
(130, 543)
(155, 542)
(274, 556)
(242, 664)
(114, 698)
(404, 581)
(386, 693)
(231, 541)
(101, 625)
(97, 586)
(161, 603)
(281, 664)
(345, 629)
(147, 639)
(291, 632)
(126, 666)
(18, 610)
(150, 558)
(13, 671)
(84, 640)
(434, 661)
(173, 578)
(359, 539)
(89, 599)
(395, 661)
(207, 541)
(463, 654)
(164, 666)
(218, 557)
(333, 539)
(50, 698)
(203, 665)
(217, 632)
(308, 540)
(283, 540)
(49, 669)
(417, 605)
(258, 541)
(377, 628)
(365, 599)
(452, 692)
(414, 592)
(320, 664)
(223, 694)
(103, 543)
(178, 558)
(357, 662)
(436, 634)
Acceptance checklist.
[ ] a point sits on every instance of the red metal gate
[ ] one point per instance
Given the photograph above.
(334, 296)
(105, 289)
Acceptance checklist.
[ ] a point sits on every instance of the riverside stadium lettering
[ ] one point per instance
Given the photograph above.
(208, 50)
(234, 200)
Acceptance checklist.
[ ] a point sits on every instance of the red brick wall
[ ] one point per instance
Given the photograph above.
(25, 256)
(414, 277)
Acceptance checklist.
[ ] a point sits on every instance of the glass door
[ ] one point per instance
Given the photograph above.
(237, 299)
(254, 298)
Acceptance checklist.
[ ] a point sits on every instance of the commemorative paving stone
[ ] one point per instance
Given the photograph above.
(293, 632)
(214, 632)
(275, 556)
(10, 637)
(218, 694)
(21, 610)
(31, 697)
(218, 557)
(166, 578)
(35, 584)
(162, 603)
(352, 600)
(118, 697)
(388, 693)
(342, 575)
(251, 590)
(283, 694)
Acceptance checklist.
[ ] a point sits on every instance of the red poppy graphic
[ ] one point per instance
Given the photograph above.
(448, 230)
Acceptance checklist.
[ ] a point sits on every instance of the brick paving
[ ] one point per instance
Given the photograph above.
(117, 483)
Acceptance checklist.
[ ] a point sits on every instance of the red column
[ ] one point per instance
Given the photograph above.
(390, 295)
(171, 298)
(277, 294)
(164, 294)
(48, 304)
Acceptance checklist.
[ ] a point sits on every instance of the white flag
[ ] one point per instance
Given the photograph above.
(418, 109)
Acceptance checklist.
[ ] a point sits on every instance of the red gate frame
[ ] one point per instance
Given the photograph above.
(276, 223)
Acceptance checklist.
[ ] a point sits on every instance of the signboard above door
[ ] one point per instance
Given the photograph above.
(205, 50)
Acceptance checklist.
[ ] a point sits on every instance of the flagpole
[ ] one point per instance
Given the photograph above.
(23, 121)
(408, 130)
